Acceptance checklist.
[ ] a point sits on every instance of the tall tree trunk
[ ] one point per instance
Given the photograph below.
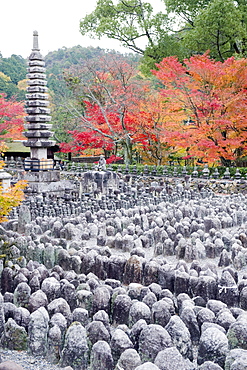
(127, 151)
(226, 162)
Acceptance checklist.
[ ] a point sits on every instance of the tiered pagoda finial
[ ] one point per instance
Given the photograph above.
(38, 130)
(35, 40)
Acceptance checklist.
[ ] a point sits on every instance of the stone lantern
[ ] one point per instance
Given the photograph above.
(5, 179)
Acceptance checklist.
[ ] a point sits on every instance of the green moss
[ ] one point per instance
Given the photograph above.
(16, 339)
(232, 339)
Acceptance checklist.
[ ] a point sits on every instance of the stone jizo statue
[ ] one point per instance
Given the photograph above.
(102, 163)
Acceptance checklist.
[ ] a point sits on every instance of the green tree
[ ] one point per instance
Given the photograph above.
(187, 10)
(219, 28)
(12, 70)
(187, 27)
(14, 67)
(135, 24)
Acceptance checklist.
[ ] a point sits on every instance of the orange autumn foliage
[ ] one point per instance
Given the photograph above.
(206, 102)
(152, 135)
(11, 197)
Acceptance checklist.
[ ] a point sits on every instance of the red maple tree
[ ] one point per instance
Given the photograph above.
(11, 120)
(109, 91)
(206, 104)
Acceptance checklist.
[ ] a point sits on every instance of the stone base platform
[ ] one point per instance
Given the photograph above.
(45, 182)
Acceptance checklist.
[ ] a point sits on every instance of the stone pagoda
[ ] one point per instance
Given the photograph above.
(39, 169)
(38, 129)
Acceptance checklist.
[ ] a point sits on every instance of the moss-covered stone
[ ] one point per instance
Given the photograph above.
(237, 333)
(15, 336)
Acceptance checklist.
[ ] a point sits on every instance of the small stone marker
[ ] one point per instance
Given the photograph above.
(23, 218)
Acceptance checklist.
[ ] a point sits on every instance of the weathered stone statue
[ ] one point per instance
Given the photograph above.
(100, 180)
(102, 163)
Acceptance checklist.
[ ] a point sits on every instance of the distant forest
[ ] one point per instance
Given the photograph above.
(13, 69)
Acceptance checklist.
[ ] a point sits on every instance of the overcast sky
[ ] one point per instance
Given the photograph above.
(57, 22)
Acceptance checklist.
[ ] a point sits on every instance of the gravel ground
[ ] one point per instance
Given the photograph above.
(26, 361)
